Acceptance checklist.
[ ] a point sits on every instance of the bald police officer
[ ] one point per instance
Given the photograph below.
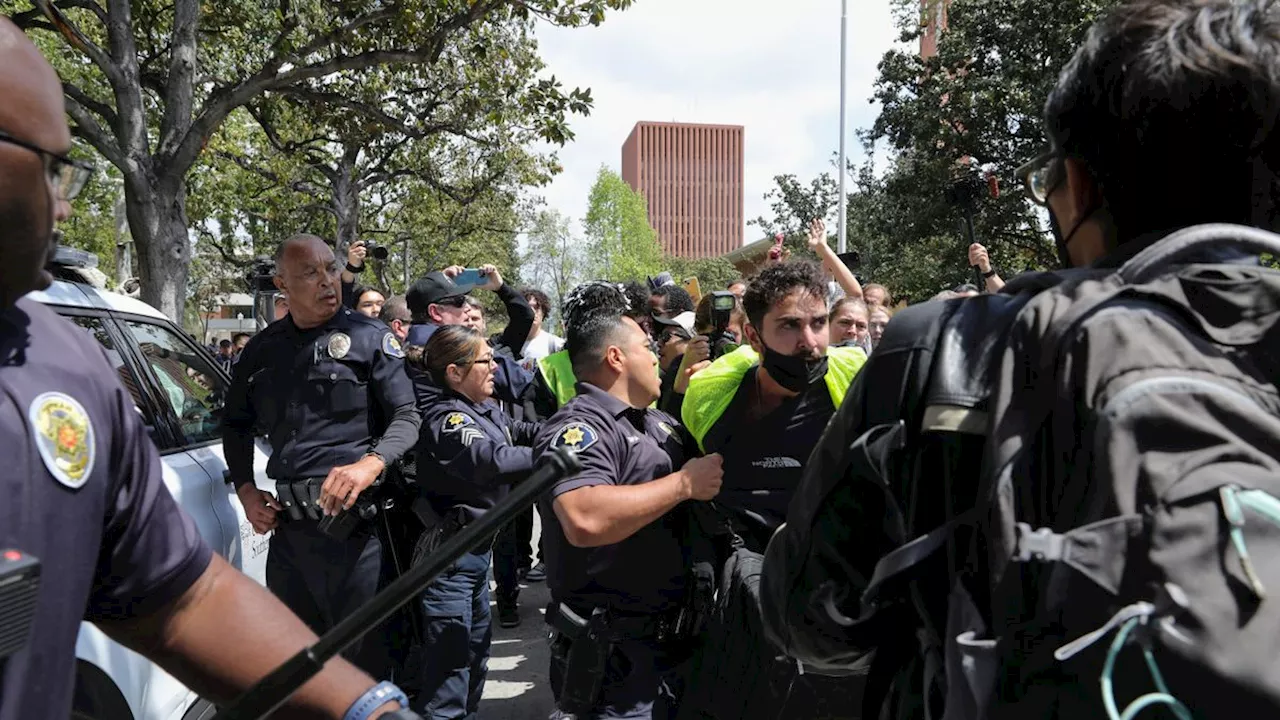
(82, 484)
(616, 567)
(328, 386)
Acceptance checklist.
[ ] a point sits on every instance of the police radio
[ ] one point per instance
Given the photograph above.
(19, 585)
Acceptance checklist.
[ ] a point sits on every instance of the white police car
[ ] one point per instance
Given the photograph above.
(178, 391)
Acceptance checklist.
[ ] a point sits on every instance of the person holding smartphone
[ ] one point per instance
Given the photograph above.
(440, 298)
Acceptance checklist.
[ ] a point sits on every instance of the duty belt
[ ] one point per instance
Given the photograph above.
(619, 626)
(300, 500)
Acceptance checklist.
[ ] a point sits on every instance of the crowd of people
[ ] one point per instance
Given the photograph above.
(794, 498)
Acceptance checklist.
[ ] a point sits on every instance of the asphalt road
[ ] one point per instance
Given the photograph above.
(517, 687)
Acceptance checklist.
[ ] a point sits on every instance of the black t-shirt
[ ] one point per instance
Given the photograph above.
(82, 493)
(617, 445)
(764, 459)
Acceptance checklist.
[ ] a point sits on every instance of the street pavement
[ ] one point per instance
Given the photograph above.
(517, 687)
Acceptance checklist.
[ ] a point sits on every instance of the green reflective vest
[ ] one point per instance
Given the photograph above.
(711, 391)
(557, 371)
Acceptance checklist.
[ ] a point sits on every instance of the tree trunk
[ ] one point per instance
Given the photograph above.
(157, 209)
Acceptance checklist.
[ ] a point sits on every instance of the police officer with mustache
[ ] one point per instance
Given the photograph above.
(328, 387)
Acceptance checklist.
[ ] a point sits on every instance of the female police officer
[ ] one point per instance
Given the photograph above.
(467, 456)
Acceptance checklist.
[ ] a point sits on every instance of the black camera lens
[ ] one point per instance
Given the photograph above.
(378, 252)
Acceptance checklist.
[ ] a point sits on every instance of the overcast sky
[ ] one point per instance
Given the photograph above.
(770, 66)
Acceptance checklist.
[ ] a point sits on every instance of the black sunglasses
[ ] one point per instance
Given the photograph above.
(66, 175)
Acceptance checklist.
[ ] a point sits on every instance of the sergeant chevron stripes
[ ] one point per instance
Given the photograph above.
(469, 435)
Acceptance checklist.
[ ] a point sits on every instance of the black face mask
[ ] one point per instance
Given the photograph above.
(1059, 241)
(793, 372)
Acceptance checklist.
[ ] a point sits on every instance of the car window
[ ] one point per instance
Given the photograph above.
(194, 390)
(96, 328)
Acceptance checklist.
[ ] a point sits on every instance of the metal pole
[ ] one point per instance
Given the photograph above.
(844, 16)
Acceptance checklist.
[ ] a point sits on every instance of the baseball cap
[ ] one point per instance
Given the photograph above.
(683, 321)
(431, 289)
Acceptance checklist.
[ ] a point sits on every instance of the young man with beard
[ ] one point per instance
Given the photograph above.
(764, 406)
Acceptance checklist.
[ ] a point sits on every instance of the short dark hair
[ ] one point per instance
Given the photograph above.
(678, 299)
(1169, 105)
(224, 344)
(776, 282)
(536, 295)
(395, 308)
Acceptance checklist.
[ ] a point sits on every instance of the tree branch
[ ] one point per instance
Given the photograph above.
(77, 39)
(131, 130)
(180, 89)
(103, 110)
(89, 130)
(225, 99)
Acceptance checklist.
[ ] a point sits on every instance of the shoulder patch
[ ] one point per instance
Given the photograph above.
(575, 436)
(455, 421)
(391, 346)
(65, 436)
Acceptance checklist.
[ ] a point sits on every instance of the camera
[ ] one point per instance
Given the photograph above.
(721, 340)
(261, 277)
(376, 251)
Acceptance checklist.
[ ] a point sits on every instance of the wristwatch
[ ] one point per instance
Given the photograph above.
(990, 272)
(354, 270)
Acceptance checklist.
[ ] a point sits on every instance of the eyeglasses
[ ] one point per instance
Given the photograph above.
(67, 176)
(456, 301)
(1041, 176)
(482, 361)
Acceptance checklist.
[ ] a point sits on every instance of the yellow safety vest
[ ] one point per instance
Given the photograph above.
(557, 371)
(711, 391)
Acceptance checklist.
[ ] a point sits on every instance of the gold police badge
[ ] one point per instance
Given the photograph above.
(64, 436)
(339, 345)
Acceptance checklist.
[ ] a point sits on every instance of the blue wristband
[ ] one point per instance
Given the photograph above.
(374, 698)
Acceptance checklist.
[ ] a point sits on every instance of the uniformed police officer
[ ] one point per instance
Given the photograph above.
(763, 407)
(328, 386)
(469, 454)
(616, 567)
(82, 485)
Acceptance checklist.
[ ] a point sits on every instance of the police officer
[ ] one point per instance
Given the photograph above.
(764, 406)
(616, 567)
(469, 453)
(82, 486)
(327, 385)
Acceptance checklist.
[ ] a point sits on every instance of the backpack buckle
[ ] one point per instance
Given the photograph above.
(1042, 545)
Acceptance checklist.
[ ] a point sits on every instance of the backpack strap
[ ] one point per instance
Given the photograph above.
(1184, 243)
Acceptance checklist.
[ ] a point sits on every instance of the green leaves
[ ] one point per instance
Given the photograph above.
(622, 244)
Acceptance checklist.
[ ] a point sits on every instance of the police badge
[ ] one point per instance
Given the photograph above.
(64, 436)
(339, 345)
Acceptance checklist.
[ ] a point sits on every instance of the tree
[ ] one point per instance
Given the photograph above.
(712, 273)
(148, 83)
(622, 244)
(980, 97)
(553, 261)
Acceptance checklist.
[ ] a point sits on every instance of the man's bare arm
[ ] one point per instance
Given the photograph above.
(226, 633)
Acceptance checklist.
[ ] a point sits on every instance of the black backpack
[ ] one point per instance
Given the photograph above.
(1088, 471)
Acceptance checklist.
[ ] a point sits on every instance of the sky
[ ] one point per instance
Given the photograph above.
(772, 66)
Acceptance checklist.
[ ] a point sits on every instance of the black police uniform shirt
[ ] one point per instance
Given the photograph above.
(82, 493)
(764, 458)
(469, 453)
(323, 396)
(617, 445)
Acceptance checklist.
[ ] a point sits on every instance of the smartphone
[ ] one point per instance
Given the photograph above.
(694, 288)
(470, 276)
